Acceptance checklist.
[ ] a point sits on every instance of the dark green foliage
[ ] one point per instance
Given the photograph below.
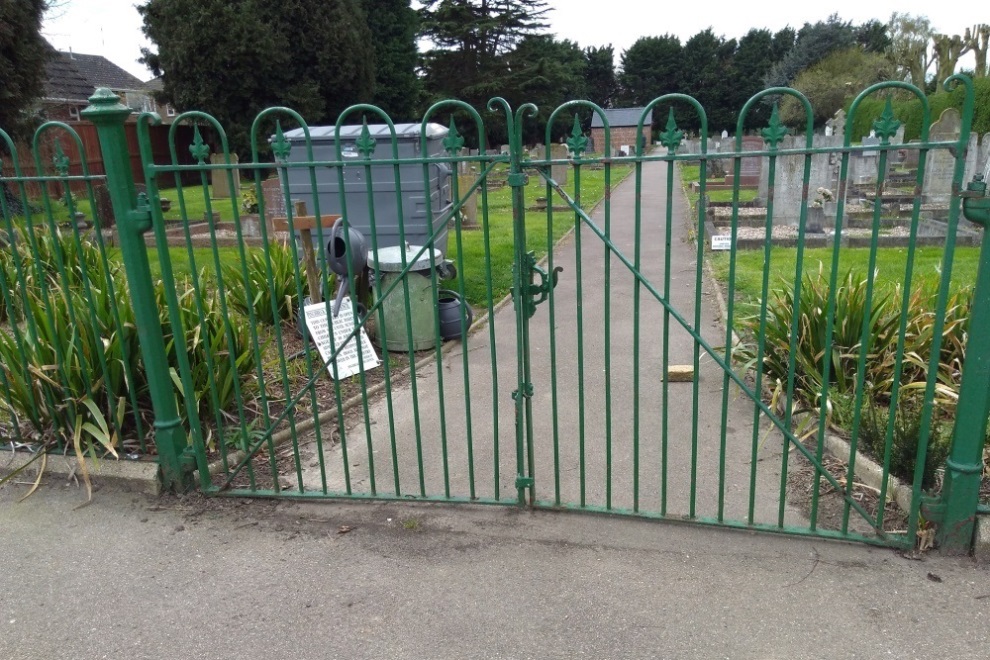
(905, 438)
(472, 39)
(909, 110)
(872, 37)
(393, 25)
(753, 58)
(545, 72)
(23, 54)
(814, 43)
(271, 303)
(235, 59)
(603, 86)
(652, 66)
(706, 57)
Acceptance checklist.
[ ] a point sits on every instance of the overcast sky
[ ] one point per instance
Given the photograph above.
(112, 28)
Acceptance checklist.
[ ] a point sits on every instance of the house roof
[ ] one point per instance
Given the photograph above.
(622, 117)
(74, 76)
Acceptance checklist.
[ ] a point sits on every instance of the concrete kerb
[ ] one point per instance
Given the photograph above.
(309, 423)
(139, 476)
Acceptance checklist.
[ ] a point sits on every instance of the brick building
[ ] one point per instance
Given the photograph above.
(623, 124)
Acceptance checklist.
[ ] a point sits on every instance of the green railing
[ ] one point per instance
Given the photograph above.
(209, 334)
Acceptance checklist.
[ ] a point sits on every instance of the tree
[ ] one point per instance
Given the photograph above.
(545, 72)
(948, 50)
(830, 83)
(394, 25)
(603, 85)
(235, 59)
(873, 38)
(978, 38)
(23, 55)
(707, 58)
(755, 55)
(652, 66)
(814, 42)
(910, 46)
(470, 40)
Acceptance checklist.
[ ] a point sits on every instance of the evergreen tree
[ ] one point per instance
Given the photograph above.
(470, 40)
(233, 59)
(600, 75)
(814, 42)
(652, 66)
(23, 55)
(394, 25)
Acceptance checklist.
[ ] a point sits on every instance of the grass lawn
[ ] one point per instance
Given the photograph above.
(194, 197)
(890, 268)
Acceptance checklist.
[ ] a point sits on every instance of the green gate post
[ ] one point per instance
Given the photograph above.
(109, 115)
(964, 468)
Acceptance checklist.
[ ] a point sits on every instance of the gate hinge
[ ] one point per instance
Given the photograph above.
(517, 179)
(187, 459)
(141, 215)
(524, 482)
(976, 204)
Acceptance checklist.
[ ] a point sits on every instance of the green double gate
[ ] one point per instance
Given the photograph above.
(568, 399)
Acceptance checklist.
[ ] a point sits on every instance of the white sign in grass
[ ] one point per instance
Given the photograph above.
(347, 362)
(721, 242)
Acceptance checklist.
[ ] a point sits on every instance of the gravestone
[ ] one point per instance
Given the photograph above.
(985, 155)
(463, 166)
(911, 156)
(104, 208)
(504, 149)
(218, 177)
(751, 167)
(837, 123)
(938, 170)
(469, 210)
(789, 186)
(725, 134)
(271, 190)
(558, 172)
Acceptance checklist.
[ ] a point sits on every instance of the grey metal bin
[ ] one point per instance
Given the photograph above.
(416, 197)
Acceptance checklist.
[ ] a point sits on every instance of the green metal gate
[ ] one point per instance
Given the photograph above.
(611, 297)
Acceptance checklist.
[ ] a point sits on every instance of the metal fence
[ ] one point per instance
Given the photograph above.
(567, 400)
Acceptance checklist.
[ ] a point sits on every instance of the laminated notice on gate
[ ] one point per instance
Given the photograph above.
(347, 363)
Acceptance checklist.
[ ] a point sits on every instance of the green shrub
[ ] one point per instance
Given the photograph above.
(812, 323)
(271, 303)
(57, 383)
(905, 438)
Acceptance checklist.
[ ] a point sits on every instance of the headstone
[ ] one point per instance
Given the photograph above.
(463, 166)
(219, 178)
(469, 211)
(837, 123)
(104, 208)
(985, 155)
(475, 152)
(725, 134)
(558, 172)
(271, 191)
(789, 186)
(751, 166)
(911, 155)
(871, 140)
(939, 168)
(504, 149)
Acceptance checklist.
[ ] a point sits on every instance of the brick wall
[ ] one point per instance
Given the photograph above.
(621, 135)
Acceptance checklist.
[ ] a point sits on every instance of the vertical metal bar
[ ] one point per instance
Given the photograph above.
(665, 355)
(608, 336)
(761, 335)
(580, 336)
(637, 292)
(554, 413)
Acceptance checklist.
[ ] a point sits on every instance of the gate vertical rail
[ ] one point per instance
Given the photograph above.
(109, 114)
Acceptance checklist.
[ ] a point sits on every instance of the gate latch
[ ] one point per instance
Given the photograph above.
(141, 214)
(542, 289)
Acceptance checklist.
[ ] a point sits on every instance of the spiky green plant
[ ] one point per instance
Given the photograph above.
(271, 302)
